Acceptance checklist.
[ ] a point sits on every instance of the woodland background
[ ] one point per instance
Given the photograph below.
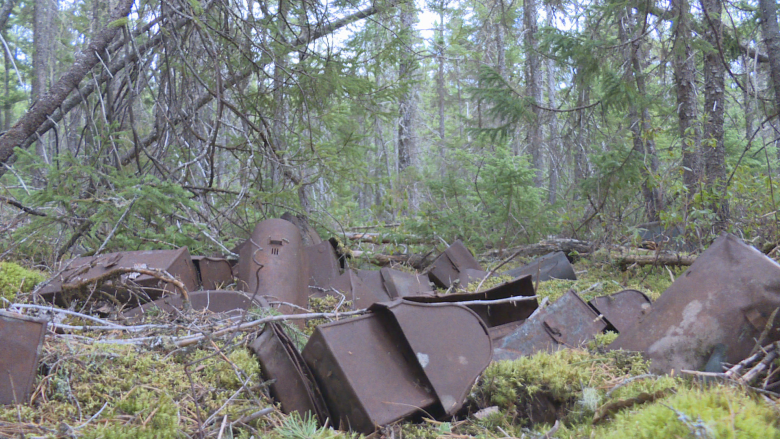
(136, 124)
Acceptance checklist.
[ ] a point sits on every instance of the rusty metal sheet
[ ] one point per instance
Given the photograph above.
(566, 323)
(177, 263)
(401, 284)
(214, 272)
(21, 338)
(471, 275)
(216, 301)
(322, 268)
(271, 265)
(494, 315)
(368, 374)
(623, 309)
(293, 383)
(448, 266)
(726, 296)
(400, 360)
(451, 344)
(553, 265)
(372, 279)
(361, 296)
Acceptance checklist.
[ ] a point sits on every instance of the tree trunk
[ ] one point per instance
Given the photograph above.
(441, 94)
(533, 89)
(687, 104)
(49, 101)
(714, 152)
(553, 141)
(771, 32)
(407, 130)
(42, 44)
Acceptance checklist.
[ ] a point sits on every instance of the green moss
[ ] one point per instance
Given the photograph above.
(720, 412)
(603, 339)
(488, 283)
(15, 279)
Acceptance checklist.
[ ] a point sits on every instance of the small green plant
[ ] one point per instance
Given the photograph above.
(296, 426)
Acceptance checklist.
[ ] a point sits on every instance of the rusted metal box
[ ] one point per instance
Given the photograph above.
(177, 263)
(566, 323)
(292, 383)
(550, 266)
(355, 289)
(401, 284)
(400, 360)
(216, 301)
(214, 272)
(322, 268)
(447, 268)
(21, 338)
(727, 296)
(623, 309)
(497, 315)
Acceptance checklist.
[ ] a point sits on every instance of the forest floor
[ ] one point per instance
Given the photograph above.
(91, 385)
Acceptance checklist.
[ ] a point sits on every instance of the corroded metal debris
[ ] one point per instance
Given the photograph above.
(78, 274)
(292, 383)
(623, 309)
(402, 359)
(216, 301)
(568, 322)
(550, 266)
(21, 338)
(214, 272)
(447, 268)
(727, 296)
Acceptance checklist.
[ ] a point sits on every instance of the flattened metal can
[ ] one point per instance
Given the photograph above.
(623, 309)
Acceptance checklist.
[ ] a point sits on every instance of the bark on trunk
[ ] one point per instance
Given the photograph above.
(714, 152)
(85, 60)
(534, 88)
(687, 104)
(769, 28)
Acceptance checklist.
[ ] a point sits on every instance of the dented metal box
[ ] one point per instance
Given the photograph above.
(21, 338)
(214, 272)
(550, 266)
(447, 268)
(727, 296)
(402, 359)
(566, 323)
(623, 309)
(292, 383)
(216, 301)
(177, 263)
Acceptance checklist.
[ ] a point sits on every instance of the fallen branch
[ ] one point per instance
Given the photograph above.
(118, 271)
(21, 207)
(413, 260)
(661, 259)
(548, 246)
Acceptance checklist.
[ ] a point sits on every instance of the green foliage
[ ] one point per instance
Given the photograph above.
(296, 426)
(15, 279)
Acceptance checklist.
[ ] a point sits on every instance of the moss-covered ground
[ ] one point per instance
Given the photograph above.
(88, 388)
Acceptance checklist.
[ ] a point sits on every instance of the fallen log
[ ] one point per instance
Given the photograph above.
(381, 238)
(542, 248)
(660, 259)
(416, 261)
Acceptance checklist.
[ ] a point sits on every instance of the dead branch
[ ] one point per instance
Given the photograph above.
(118, 271)
(21, 207)
(416, 261)
(548, 246)
(661, 259)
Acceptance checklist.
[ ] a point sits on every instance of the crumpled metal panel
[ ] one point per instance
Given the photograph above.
(553, 265)
(448, 266)
(400, 360)
(177, 263)
(566, 323)
(401, 284)
(21, 338)
(216, 301)
(293, 383)
(451, 343)
(271, 265)
(497, 315)
(471, 275)
(726, 296)
(372, 280)
(323, 268)
(361, 296)
(215, 272)
(623, 309)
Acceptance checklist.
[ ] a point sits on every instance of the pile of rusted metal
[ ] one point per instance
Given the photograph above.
(426, 337)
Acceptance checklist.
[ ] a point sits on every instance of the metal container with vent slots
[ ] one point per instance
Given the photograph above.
(271, 264)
